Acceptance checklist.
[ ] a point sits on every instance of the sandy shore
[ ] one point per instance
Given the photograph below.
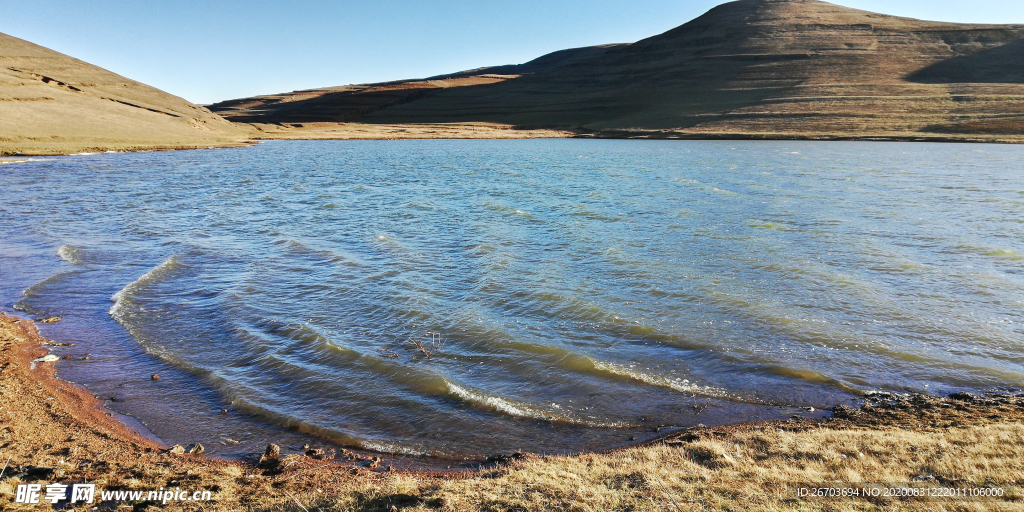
(55, 432)
(370, 131)
(865, 135)
(365, 131)
(94, 147)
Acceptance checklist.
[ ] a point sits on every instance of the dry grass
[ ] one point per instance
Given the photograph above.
(362, 131)
(749, 471)
(53, 104)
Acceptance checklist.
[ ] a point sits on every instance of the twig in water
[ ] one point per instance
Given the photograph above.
(428, 350)
(388, 353)
(436, 342)
(696, 407)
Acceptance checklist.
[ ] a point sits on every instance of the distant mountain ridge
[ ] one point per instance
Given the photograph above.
(749, 68)
(550, 60)
(801, 69)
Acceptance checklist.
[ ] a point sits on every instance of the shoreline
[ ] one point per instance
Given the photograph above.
(488, 131)
(58, 430)
(16, 154)
(81, 404)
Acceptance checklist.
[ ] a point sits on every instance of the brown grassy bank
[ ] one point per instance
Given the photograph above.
(52, 431)
(54, 104)
(471, 130)
(363, 131)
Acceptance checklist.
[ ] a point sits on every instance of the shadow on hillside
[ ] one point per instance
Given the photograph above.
(1002, 64)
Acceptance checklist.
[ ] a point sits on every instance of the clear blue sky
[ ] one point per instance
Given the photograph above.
(210, 50)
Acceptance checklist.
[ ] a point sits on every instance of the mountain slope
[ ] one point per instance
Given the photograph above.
(354, 102)
(757, 68)
(51, 103)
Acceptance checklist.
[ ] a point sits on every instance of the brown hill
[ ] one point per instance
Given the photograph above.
(54, 104)
(749, 68)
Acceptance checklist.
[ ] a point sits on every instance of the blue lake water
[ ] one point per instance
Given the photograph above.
(583, 292)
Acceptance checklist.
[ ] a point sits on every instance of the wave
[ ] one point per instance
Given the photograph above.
(124, 295)
(318, 255)
(681, 385)
(272, 415)
(812, 377)
(524, 410)
(501, 342)
(509, 210)
(1000, 254)
(70, 254)
(40, 289)
(394, 448)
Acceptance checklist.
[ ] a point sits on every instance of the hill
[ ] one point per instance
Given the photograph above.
(352, 103)
(749, 69)
(51, 103)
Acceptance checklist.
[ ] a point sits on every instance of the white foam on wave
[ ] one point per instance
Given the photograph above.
(69, 254)
(395, 448)
(681, 385)
(119, 298)
(498, 403)
(522, 410)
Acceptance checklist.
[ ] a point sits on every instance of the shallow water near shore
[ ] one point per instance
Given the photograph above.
(576, 294)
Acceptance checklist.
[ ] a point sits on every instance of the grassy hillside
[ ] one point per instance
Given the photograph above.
(51, 103)
(746, 68)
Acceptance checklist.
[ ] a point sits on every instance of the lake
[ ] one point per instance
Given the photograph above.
(463, 298)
